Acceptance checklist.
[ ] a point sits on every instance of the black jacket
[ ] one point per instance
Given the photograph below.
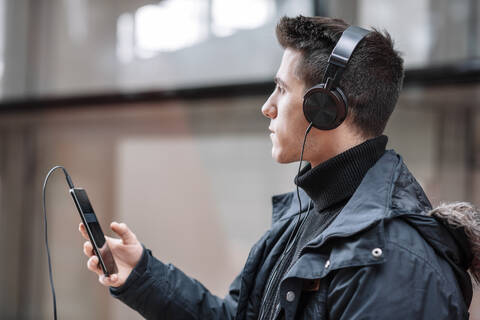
(383, 257)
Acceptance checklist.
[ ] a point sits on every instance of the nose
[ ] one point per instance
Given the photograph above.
(269, 109)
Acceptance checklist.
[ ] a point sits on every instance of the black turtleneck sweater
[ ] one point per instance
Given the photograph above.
(329, 185)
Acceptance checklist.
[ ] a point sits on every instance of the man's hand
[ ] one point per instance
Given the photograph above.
(126, 251)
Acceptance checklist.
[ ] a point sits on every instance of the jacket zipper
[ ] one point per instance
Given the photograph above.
(274, 278)
(300, 252)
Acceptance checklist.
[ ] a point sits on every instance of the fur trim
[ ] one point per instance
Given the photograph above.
(463, 214)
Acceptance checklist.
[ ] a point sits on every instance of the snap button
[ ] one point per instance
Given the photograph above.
(327, 264)
(290, 296)
(377, 252)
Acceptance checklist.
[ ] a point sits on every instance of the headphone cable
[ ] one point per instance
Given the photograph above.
(298, 191)
(70, 184)
(289, 245)
(301, 159)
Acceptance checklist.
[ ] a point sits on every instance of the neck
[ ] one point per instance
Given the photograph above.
(341, 142)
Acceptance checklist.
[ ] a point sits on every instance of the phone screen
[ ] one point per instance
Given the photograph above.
(94, 230)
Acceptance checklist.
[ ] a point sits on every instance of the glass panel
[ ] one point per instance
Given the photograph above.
(83, 47)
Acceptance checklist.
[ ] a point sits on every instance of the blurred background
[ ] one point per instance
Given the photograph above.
(154, 108)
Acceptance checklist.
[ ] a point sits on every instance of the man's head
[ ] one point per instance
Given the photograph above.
(372, 82)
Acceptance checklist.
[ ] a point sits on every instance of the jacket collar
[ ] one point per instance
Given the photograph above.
(374, 200)
(286, 205)
(369, 203)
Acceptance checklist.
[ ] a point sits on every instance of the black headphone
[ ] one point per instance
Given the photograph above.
(325, 104)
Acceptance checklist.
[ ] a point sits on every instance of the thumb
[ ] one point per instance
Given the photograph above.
(125, 234)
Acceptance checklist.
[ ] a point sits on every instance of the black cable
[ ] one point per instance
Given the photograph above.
(298, 191)
(297, 227)
(301, 159)
(70, 184)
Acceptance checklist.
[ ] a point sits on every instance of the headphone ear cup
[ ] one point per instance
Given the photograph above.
(342, 107)
(325, 109)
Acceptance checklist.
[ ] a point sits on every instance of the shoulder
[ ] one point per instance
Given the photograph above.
(406, 246)
(412, 263)
(411, 280)
(395, 253)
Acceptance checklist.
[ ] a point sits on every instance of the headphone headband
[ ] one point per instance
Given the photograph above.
(338, 60)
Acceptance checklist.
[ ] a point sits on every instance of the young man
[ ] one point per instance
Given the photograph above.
(366, 247)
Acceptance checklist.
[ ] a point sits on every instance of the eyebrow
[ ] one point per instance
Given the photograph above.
(277, 80)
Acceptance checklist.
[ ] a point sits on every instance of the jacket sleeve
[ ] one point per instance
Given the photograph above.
(162, 291)
(403, 287)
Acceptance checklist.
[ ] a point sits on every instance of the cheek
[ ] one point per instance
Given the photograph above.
(290, 122)
(294, 123)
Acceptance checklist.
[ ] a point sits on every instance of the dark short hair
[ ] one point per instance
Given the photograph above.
(372, 80)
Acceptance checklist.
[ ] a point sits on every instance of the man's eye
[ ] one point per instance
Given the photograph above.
(280, 89)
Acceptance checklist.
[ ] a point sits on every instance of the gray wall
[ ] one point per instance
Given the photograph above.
(57, 47)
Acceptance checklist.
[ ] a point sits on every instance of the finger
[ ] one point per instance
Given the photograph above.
(92, 265)
(121, 229)
(88, 249)
(110, 281)
(111, 242)
(83, 230)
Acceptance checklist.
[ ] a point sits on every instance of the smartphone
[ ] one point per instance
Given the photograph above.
(95, 233)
